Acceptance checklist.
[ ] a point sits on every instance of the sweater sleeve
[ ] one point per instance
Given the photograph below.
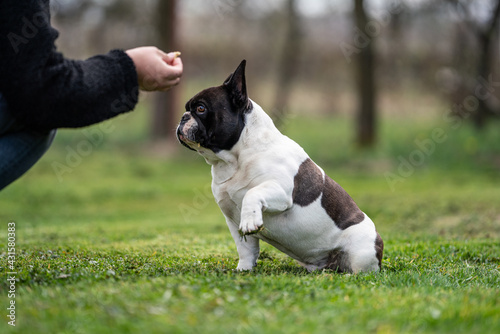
(43, 89)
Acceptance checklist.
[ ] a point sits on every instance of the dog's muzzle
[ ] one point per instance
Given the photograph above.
(186, 131)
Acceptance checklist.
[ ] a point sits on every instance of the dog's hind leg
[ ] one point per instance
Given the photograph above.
(361, 249)
(338, 261)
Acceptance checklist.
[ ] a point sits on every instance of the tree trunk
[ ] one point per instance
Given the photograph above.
(365, 79)
(288, 63)
(166, 108)
(484, 65)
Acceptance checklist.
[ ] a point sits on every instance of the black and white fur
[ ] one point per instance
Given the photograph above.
(269, 189)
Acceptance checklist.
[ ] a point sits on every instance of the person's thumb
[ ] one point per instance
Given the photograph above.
(170, 57)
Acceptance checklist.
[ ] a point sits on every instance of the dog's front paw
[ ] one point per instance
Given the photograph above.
(251, 225)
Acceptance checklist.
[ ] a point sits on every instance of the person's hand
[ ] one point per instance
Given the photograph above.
(156, 70)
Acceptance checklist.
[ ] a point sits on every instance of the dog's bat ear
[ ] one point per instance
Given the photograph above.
(237, 87)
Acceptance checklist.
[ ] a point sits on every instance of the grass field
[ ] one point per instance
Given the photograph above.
(127, 241)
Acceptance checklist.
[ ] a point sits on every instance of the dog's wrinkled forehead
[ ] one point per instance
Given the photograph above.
(231, 96)
(214, 98)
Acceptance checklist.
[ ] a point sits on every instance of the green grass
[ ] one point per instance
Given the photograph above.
(131, 241)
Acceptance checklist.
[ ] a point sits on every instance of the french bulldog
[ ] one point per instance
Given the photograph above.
(269, 189)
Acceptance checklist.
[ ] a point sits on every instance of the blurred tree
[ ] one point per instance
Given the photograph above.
(166, 104)
(397, 25)
(365, 81)
(288, 62)
(476, 67)
(485, 37)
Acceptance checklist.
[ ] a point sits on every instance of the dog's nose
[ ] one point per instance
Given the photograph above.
(185, 117)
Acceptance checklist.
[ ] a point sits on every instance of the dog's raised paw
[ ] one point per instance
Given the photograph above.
(250, 227)
(244, 234)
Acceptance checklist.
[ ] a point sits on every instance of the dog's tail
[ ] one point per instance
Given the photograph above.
(379, 250)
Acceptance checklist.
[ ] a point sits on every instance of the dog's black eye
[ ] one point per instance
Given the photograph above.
(201, 109)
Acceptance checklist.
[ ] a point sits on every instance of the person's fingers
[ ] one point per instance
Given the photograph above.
(170, 72)
(171, 57)
(156, 70)
(177, 62)
(169, 84)
(175, 69)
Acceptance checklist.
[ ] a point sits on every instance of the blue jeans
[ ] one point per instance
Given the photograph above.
(20, 148)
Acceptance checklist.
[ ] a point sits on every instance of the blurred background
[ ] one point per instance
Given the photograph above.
(367, 59)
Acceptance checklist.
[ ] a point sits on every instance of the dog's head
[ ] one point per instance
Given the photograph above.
(215, 117)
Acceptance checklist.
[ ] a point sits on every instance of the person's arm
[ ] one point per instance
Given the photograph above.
(68, 93)
(43, 89)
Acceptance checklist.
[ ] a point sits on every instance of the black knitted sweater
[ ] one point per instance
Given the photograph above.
(43, 89)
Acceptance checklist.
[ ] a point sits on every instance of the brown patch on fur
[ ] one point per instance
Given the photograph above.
(339, 205)
(307, 183)
(379, 249)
